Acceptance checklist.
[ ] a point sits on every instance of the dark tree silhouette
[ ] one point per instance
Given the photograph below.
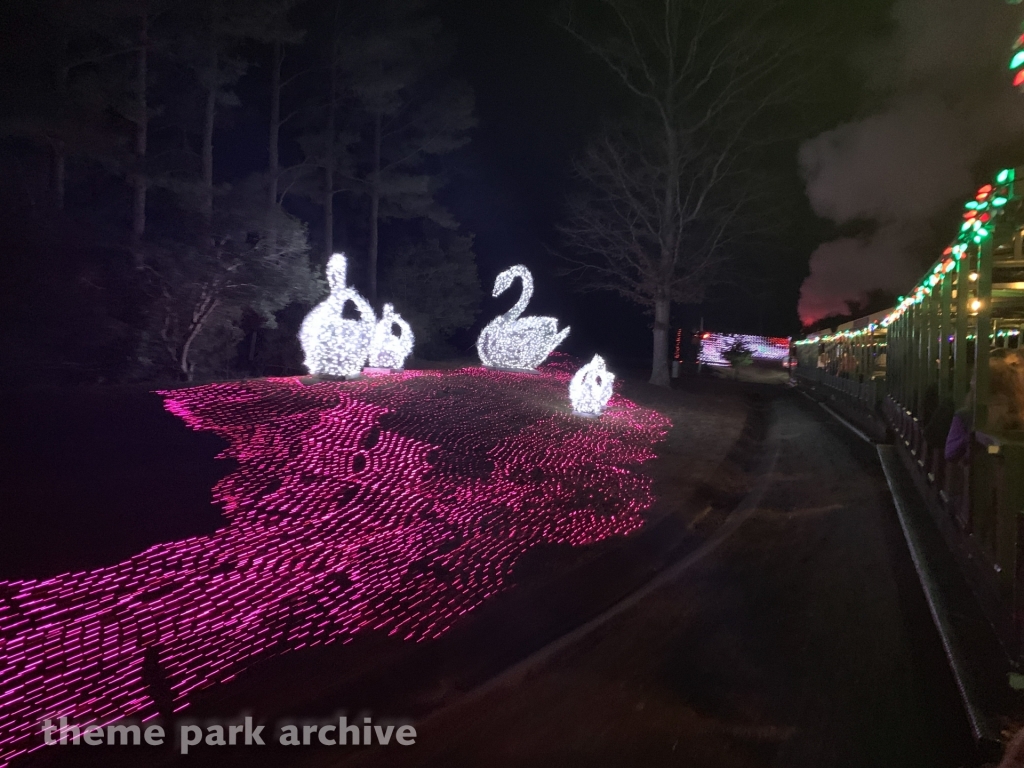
(662, 193)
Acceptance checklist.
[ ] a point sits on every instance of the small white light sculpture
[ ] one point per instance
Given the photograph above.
(386, 349)
(591, 388)
(511, 341)
(333, 344)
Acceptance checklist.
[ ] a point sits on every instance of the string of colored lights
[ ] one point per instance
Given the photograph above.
(1017, 62)
(396, 504)
(714, 345)
(980, 214)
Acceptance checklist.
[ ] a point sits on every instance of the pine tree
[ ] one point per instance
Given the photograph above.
(405, 112)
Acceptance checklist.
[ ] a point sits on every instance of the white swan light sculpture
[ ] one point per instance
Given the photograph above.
(386, 349)
(333, 344)
(511, 341)
(591, 388)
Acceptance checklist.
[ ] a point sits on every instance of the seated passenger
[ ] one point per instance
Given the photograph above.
(1005, 403)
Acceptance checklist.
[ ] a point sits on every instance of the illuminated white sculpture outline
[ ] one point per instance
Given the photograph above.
(386, 349)
(591, 388)
(511, 341)
(333, 344)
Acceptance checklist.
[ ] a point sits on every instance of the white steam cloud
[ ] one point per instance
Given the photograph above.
(949, 98)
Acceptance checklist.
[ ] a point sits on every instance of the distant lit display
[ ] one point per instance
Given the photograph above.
(714, 345)
(393, 504)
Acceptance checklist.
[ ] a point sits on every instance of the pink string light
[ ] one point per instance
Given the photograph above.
(395, 504)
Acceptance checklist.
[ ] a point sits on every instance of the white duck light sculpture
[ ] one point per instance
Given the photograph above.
(388, 350)
(333, 344)
(591, 388)
(512, 341)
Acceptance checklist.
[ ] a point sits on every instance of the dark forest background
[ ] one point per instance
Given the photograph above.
(174, 175)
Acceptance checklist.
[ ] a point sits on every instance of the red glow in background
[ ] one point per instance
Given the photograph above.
(395, 504)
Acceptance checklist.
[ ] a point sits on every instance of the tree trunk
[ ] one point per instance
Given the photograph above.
(329, 160)
(275, 123)
(58, 168)
(199, 318)
(209, 115)
(669, 240)
(58, 172)
(375, 206)
(328, 213)
(659, 362)
(139, 183)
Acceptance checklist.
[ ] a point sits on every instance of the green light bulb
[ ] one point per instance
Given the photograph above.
(1003, 177)
(999, 202)
(1017, 60)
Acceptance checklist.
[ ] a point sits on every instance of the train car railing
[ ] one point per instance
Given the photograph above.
(867, 392)
(951, 349)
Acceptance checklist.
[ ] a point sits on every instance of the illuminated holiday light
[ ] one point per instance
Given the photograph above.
(973, 230)
(351, 509)
(591, 388)
(514, 342)
(333, 344)
(714, 345)
(1017, 60)
(386, 349)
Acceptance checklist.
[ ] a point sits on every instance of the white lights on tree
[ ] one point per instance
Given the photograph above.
(335, 345)
(511, 341)
(591, 388)
(388, 350)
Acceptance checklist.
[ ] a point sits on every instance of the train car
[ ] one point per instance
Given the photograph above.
(950, 351)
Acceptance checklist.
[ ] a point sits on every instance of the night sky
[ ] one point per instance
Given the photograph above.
(540, 95)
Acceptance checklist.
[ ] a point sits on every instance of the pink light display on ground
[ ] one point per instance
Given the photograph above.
(393, 504)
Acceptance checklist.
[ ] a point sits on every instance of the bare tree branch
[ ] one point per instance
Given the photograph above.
(663, 195)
